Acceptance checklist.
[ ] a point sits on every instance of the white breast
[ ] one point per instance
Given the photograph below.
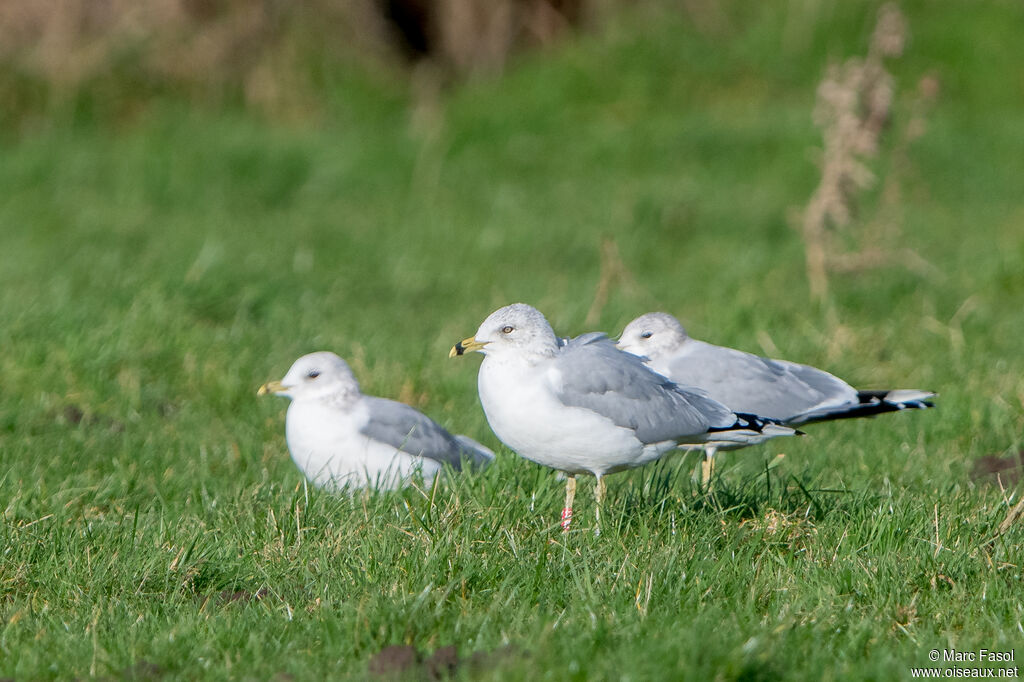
(526, 415)
(326, 444)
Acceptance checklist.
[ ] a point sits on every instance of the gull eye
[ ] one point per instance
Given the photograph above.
(313, 373)
(507, 329)
(646, 335)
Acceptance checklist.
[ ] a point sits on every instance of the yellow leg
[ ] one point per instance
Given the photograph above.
(570, 495)
(599, 490)
(707, 468)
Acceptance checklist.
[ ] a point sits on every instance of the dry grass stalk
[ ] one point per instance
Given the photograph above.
(796, 531)
(1014, 516)
(882, 233)
(853, 109)
(613, 271)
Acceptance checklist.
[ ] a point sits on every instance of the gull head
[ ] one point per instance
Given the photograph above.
(516, 328)
(652, 335)
(317, 376)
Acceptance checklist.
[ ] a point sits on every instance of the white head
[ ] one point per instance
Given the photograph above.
(316, 376)
(652, 335)
(517, 328)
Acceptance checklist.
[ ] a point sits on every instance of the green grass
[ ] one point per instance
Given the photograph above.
(153, 275)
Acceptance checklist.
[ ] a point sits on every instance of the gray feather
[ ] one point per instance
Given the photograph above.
(748, 383)
(598, 376)
(479, 455)
(405, 428)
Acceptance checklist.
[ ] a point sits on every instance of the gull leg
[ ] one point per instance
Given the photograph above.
(570, 495)
(707, 468)
(599, 490)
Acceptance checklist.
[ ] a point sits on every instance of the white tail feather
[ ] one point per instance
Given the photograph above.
(907, 395)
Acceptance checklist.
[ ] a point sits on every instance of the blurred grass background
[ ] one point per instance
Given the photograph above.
(195, 193)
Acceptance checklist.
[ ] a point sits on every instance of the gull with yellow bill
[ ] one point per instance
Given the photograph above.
(787, 391)
(792, 393)
(585, 407)
(340, 438)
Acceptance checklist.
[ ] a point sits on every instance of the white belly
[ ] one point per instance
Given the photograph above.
(525, 414)
(326, 445)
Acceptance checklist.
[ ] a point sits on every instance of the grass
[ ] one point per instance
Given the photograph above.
(154, 274)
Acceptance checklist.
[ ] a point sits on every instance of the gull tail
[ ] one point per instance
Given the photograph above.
(477, 454)
(870, 403)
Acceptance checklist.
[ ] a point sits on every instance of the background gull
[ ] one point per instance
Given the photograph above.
(339, 437)
(585, 407)
(787, 391)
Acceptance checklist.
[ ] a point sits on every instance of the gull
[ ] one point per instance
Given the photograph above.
(791, 393)
(585, 407)
(340, 437)
(786, 391)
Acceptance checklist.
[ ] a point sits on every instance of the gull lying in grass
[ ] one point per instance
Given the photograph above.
(339, 437)
(585, 407)
(791, 393)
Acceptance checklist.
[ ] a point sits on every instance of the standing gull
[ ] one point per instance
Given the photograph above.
(786, 391)
(585, 407)
(791, 393)
(339, 437)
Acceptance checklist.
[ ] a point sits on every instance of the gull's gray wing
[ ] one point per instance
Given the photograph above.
(749, 383)
(478, 454)
(592, 373)
(409, 430)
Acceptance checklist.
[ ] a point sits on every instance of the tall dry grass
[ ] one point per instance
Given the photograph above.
(854, 111)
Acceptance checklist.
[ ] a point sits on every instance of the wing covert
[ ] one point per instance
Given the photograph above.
(409, 430)
(592, 373)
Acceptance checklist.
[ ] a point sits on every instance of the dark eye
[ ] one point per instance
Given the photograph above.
(313, 373)
(646, 335)
(507, 329)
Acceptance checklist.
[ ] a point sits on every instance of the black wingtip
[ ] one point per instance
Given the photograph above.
(886, 403)
(747, 420)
